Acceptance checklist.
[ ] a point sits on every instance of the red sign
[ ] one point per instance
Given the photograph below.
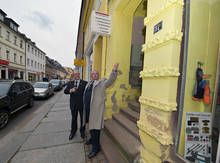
(4, 62)
(38, 73)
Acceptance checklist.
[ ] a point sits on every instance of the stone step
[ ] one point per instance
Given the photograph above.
(127, 143)
(110, 150)
(134, 106)
(130, 126)
(130, 114)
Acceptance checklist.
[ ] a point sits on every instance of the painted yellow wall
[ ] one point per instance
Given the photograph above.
(97, 49)
(10, 46)
(160, 79)
(204, 37)
(118, 50)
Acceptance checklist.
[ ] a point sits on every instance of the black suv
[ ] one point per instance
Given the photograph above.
(14, 95)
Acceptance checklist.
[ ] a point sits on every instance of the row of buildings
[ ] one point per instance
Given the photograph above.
(21, 57)
(160, 44)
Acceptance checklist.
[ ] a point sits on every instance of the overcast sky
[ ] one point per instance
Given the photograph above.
(51, 24)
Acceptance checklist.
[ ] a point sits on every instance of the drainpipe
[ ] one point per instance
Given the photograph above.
(183, 78)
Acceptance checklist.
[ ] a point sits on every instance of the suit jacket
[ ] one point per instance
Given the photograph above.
(76, 98)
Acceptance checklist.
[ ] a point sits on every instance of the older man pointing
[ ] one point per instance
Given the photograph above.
(94, 104)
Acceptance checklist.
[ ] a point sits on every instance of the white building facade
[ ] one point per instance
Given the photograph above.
(35, 62)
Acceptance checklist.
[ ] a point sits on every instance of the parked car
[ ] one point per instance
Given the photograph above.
(63, 83)
(43, 90)
(57, 84)
(14, 95)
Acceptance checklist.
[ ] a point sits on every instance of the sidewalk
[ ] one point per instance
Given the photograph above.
(45, 138)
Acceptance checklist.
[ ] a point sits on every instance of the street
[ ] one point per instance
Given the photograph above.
(41, 134)
(20, 118)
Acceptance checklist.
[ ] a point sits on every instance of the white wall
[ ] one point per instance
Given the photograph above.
(36, 56)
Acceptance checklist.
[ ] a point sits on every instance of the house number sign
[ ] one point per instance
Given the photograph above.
(158, 27)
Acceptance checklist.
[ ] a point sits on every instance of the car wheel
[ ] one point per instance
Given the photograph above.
(4, 118)
(31, 102)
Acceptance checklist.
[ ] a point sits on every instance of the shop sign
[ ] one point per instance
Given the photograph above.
(38, 73)
(4, 62)
(79, 62)
(198, 137)
(101, 23)
(158, 27)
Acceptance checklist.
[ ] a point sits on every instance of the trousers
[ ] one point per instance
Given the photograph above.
(74, 113)
(95, 140)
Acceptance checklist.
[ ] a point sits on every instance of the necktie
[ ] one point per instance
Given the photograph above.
(91, 83)
(75, 83)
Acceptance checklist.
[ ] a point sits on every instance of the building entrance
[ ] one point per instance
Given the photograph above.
(138, 39)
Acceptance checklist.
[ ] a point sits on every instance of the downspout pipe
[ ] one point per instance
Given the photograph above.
(183, 82)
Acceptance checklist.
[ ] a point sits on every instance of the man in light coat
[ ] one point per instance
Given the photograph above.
(94, 105)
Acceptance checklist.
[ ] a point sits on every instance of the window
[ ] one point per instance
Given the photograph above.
(32, 63)
(28, 62)
(35, 52)
(21, 44)
(41, 66)
(28, 48)
(41, 56)
(7, 55)
(35, 64)
(15, 57)
(15, 40)
(1, 17)
(8, 35)
(21, 59)
(0, 52)
(32, 50)
(0, 31)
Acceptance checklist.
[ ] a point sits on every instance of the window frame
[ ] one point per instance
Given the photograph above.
(7, 35)
(8, 55)
(15, 57)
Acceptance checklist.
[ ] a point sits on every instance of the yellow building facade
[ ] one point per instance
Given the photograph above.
(174, 36)
(12, 49)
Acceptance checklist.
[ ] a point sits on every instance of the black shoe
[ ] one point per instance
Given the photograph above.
(92, 154)
(88, 142)
(71, 136)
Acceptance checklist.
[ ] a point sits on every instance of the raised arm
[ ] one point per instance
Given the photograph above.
(112, 76)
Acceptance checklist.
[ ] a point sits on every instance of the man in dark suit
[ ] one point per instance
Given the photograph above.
(76, 88)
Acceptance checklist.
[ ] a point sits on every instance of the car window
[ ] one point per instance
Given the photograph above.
(40, 85)
(4, 87)
(26, 86)
(15, 88)
(22, 87)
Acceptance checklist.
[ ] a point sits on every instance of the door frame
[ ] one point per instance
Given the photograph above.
(215, 100)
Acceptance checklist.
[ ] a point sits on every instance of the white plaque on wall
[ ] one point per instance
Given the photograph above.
(101, 23)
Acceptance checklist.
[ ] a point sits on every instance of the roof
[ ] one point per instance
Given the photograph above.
(3, 13)
(55, 64)
(11, 20)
